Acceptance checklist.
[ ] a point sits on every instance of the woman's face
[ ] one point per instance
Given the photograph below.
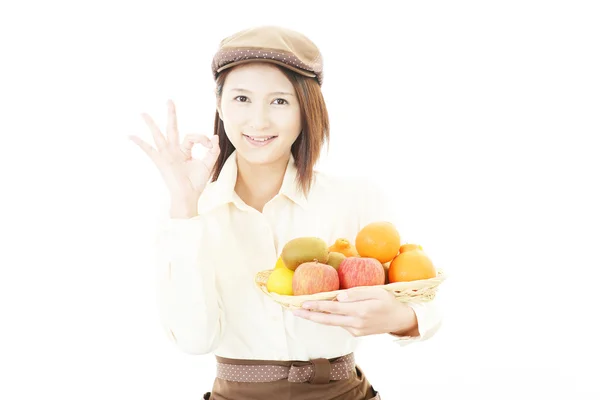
(260, 112)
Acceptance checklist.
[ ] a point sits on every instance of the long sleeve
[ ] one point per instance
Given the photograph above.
(189, 305)
(429, 319)
(377, 207)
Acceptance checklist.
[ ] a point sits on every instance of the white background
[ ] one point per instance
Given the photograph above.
(481, 118)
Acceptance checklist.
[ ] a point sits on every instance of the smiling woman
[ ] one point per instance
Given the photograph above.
(255, 118)
(234, 210)
(258, 140)
(262, 112)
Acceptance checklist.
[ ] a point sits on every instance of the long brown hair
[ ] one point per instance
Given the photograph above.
(315, 127)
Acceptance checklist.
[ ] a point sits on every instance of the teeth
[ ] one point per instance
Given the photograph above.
(261, 140)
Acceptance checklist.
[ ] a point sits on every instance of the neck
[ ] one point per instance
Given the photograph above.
(257, 184)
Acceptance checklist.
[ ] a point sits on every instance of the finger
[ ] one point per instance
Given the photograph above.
(214, 140)
(212, 155)
(327, 306)
(172, 129)
(191, 139)
(326, 319)
(159, 139)
(354, 331)
(149, 150)
(362, 293)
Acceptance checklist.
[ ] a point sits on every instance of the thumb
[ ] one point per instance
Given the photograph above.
(360, 294)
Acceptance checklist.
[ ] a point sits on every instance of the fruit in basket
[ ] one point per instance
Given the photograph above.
(379, 240)
(386, 267)
(304, 249)
(410, 246)
(344, 246)
(279, 263)
(314, 277)
(411, 266)
(360, 271)
(335, 259)
(280, 281)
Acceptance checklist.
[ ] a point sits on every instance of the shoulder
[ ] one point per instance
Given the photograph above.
(342, 190)
(329, 183)
(363, 195)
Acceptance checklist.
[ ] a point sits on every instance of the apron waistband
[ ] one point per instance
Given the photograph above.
(320, 370)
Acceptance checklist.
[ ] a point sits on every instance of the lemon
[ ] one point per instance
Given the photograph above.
(280, 281)
(279, 263)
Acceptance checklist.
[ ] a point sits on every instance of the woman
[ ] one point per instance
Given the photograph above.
(233, 211)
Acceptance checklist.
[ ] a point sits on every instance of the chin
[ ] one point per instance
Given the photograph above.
(260, 158)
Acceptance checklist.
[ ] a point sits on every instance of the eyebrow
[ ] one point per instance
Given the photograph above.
(248, 91)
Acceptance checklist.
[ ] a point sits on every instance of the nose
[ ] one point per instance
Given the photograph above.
(260, 118)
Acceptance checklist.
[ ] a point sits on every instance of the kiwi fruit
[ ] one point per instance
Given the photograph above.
(304, 249)
(335, 259)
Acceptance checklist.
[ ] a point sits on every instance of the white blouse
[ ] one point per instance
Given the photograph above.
(207, 298)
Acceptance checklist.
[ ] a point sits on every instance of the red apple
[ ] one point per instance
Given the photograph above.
(360, 271)
(314, 277)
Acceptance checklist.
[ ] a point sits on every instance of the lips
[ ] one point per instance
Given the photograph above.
(259, 141)
(260, 138)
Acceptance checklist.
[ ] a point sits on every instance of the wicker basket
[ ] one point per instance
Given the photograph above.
(414, 291)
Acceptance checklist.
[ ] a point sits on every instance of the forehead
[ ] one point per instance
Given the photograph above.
(257, 77)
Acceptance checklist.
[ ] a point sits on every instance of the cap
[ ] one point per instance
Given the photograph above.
(273, 44)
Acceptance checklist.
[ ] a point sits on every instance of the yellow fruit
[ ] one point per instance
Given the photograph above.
(279, 263)
(280, 281)
(410, 246)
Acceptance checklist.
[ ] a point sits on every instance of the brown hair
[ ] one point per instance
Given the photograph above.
(315, 127)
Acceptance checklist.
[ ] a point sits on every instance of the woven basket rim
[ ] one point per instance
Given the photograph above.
(391, 287)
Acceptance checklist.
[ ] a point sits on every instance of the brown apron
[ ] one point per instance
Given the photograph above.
(322, 379)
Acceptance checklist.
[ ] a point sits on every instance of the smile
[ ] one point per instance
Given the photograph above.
(259, 141)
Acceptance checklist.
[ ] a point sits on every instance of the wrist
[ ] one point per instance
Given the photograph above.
(406, 323)
(181, 208)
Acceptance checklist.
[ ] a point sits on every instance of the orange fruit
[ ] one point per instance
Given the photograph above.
(410, 246)
(343, 246)
(379, 240)
(411, 266)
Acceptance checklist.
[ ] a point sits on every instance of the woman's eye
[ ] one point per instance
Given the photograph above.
(244, 99)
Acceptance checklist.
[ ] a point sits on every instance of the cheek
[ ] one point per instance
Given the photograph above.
(289, 123)
(233, 122)
(232, 116)
(285, 122)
